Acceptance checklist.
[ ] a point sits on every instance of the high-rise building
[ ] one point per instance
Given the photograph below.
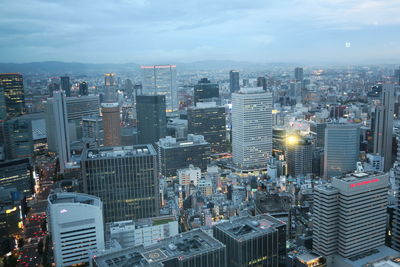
(78, 107)
(396, 217)
(111, 124)
(342, 148)
(253, 241)
(262, 82)
(205, 91)
(318, 130)
(298, 74)
(151, 117)
(174, 155)
(17, 174)
(109, 79)
(92, 128)
(251, 127)
(3, 107)
(397, 76)
(125, 178)
(350, 214)
(161, 80)
(209, 120)
(383, 125)
(57, 127)
(17, 137)
(76, 227)
(65, 85)
(109, 89)
(189, 249)
(299, 156)
(234, 81)
(13, 91)
(83, 88)
(190, 175)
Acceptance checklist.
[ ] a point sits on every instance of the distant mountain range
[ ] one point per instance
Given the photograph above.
(75, 67)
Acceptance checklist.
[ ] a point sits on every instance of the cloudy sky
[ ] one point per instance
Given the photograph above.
(152, 31)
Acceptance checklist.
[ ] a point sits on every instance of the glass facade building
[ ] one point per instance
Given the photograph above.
(18, 138)
(234, 81)
(161, 80)
(17, 174)
(205, 91)
(125, 178)
(13, 90)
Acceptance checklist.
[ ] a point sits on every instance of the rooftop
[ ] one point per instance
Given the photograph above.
(248, 227)
(65, 197)
(185, 245)
(119, 151)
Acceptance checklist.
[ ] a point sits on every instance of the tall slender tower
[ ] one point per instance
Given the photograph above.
(251, 127)
(13, 91)
(111, 124)
(383, 126)
(234, 81)
(66, 85)
(396, 216)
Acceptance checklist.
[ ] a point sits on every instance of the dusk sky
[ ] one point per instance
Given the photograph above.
(153, 31)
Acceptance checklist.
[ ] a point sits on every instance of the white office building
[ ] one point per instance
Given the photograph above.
(251, 127)
(350, 214)
(76, 227)
(189, 175)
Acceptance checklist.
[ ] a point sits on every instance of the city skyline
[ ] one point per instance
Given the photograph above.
(148, 32)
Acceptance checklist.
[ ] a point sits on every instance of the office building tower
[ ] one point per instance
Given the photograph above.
(318, 131)
(151, 118)
(109, 79)
(161, 80)
(174, 155)
(209, 120)
(234, 81)
(144, 232)
(205, 91)
(190, 175)
(17, 138)
(78, 107)
(251, 127)
(76, 227)
(110, 83)
(83, 88)
(3, 107)
(92, 129)
(17, 174)
(253, 241)
(262, 82)
(65, 85)
(383, 125)
(298, 74)
(396, 217)
(125, 178)
(350, 214)
(299, 156)
(397, 76)
(342, 148)
(189, 249)
(13, 91)
(111, 124)
(57, 128)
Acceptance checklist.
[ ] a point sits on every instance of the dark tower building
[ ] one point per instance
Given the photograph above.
(209, 120)
(205, 91)
(234, 81)
(262, 82)
(298, 74)
(125, 178)
(151, 116)
(65, 85)
(13, 91)
(83, 88)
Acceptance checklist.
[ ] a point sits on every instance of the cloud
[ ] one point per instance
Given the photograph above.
(182, 30)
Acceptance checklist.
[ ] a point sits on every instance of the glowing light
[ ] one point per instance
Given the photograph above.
(292, 140)
(63, 211)
(364, 182)
(275, 111)
(11, 210)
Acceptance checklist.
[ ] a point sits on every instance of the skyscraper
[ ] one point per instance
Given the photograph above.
(205, 91)
(234, 81)
(65, 85)
(161, 80)
(111, 124)
(151, 117)
(262, 82)
(125, 178)
(17, 174)
(57, 124)
(13, 91)
(342, 148)
(18, 139)
(251, 127)
(298, 74)
(299, 156)
(209, 120)
(383, 125)
(350, 214)
(83, 88)
(109, 89)
(253, 241)
(76, 227)
(396, 216)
